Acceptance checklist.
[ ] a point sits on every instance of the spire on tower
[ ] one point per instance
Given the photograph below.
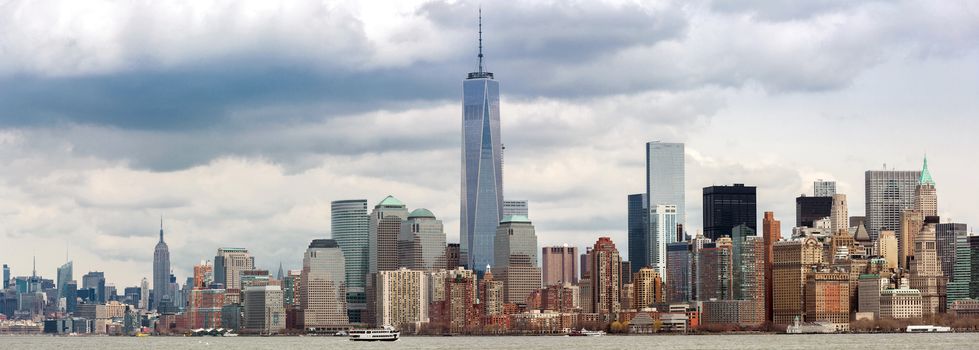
(925, 175)
(161, 229)
(480, 21)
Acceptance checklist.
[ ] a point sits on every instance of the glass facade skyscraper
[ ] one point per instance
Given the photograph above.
(887, 194)
(482, 167)
(65, 275)
(665, 177)
(349, 225)
(662, 230)
(728, 206)
(638, 228)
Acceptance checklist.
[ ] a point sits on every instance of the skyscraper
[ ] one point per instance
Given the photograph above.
(144, 294)
(264, 312)
(421, 243)
(887, 194)
(384, 229)
(822, 188)
(638, 230)
(482, 165)
(161, 270)
(662, 230)
(810, 209)
(926, 197)
(678, 272)
(560, 265)
(792, 261)
(401, 297)
(228, 265)
(516, 207)
(95, 280)
(323, 291)
(64, 276)
(665, 177)
(926, 270)
(728, 206)
(771, 232)
(605, 279)
(648, 286)
(961, 275)
(516, 258)
(946, 236)
(350, 227)
(6, 276)
(839, 214)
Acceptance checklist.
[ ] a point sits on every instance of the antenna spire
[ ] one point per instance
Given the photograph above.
(161, 228)
(480, 39)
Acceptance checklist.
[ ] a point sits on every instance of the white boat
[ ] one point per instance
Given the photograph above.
(928, 329)
(387, 333)
(588, 333)
(341, 334)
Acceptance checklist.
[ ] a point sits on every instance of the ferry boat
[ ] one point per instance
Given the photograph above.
(585, 333)
(387, 333)
(928, 329)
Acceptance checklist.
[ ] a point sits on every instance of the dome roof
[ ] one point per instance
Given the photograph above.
(421, 213)
(390, 201)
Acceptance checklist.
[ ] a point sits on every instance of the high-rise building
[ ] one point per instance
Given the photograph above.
(810, 209)
(421, 243)
(869, 288)
(714, 278)
(516, 207)
(144, 296)
(749, 279)
(638, 230)
(887, 248)
(662, 230)
(350, 227)
(385, 227)
(323, 291)
(452, 256)
(491, 294)
(926, 270)
(945, 242)
(961, 275)
(400, 298)
(911, 223)
(516, 258)
(459, 309)
(887, 194)
(560, 265)
(6, 276)
(728, 206)
(482, 166)
(771, 233)
(648, 286)
(203, 275)
(828, 299)
(65, 275)
(678, 272)
(605, 279)
(792, 261)
(161, 270)
(839, 214)
(264, 311)
(665, 177)
(228, 265)
(95, 280)
(822, 188)
(925, 195)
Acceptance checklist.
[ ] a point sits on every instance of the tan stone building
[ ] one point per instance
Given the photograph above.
(902, 302)
(926, 271)
(828, 299)
(648, 288)
(792, 260)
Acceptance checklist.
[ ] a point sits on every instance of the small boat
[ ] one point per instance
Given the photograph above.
(387, 333)
(229, 334)
(585, 333)
(341, 334)
(928, 329)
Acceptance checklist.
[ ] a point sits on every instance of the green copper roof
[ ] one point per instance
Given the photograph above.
(390, 201)
(515, 218)
(421, 213)
(925, 175)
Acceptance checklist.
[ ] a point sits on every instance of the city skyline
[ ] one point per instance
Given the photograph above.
(103, 197)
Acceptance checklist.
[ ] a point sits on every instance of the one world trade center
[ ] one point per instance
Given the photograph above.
(482, 166)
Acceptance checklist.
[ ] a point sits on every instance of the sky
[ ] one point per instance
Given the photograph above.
(238, 122)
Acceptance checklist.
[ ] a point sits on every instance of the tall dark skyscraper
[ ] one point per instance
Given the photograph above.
(809, 209)
(638, 231)
(161, 269)
(482, 165)
(6, 276)
(95, 281)
(728, 206)
(350, 227)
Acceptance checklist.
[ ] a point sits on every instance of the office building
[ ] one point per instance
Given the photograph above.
(228, 266)
(665, 177)
(400, 298)
(350, 228)
(516, 258)
(421, 243)
(384, 229)
(516, 207)
(638, 230)
(161, 270)
(648, 288)
(828, 299)
(6, 276)
(560, 265)
(839, 214)
(662, 230)
(792, 260)
(869, 288)
(95, 280)
(901, 303)
(925, 195)
(810, 209)
(822, 188)
(678, 272)
(714, 270)
(605, 279)
(323, 293)
(887, 194)
(264, 311)
(887, 248)
(911, 223)
(771, 233)
(65, 275)
(926, 271)
(481, 206)
(945, 239)
(961, 276)
(726, 207)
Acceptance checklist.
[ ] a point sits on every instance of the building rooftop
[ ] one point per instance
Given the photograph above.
(421, 213)
(390, 201)
(515, 218)
(323, 243)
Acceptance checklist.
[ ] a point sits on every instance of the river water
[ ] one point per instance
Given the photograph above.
(733, 341)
